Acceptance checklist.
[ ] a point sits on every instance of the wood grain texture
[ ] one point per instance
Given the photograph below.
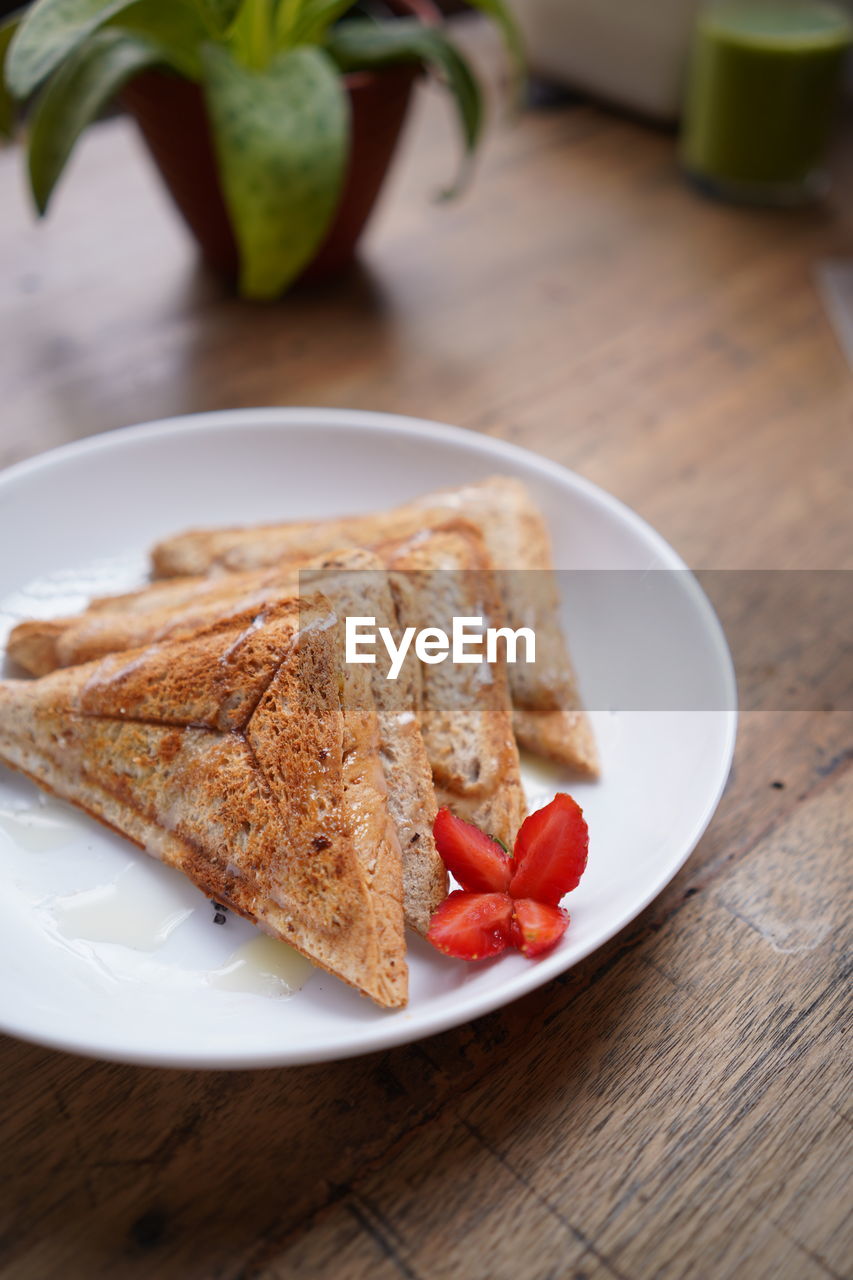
(677, 1107)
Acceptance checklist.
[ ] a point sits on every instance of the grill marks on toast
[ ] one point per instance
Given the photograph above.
(216, 685)
(256, 803)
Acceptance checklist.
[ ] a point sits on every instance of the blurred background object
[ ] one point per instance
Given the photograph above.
(632, 54)
(763, 87)
(835, 282)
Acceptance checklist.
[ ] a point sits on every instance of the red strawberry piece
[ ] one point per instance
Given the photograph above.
(476, 861)
(471, 925)
(536, 927)
(550, 851)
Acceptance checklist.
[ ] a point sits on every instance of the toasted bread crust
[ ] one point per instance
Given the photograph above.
(466, 713)
(357, 583)
(34, 645)
(549, 719)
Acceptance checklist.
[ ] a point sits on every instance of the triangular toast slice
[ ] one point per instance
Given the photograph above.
(248, 759)
(355, 581)
(549, 716)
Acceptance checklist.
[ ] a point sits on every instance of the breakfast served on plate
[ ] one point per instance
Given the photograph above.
(211, 718)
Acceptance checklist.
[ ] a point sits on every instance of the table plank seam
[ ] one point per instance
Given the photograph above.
(565, 1222)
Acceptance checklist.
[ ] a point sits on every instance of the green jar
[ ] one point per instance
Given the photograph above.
(763, 86)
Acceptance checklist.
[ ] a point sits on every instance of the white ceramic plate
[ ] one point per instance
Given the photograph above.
(106, 952)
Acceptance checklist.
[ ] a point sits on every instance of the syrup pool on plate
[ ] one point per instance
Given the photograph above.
(141, 908)
(263, 966)
(135, 910)
(43, 825)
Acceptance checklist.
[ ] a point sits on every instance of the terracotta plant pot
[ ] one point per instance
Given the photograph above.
(172, 118)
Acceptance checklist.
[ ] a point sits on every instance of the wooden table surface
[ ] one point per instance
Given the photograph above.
(676, 1105)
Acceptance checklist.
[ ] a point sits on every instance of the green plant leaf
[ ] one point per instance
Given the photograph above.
(504, 19)
(361, 44)
(218, 14)
(281, 138)
(176, 28)
(50, 30)
(314, 17)
(286, 16)
(75, 95)
(7, 103)
(251, 34)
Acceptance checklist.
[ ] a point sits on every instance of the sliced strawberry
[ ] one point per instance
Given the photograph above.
(471, 925)
(536, 927)
(476, 861)
(550, 851)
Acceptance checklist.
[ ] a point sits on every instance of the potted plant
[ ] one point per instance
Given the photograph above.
(272, 121)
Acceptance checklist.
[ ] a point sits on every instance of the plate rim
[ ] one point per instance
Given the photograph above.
(380, 1036)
